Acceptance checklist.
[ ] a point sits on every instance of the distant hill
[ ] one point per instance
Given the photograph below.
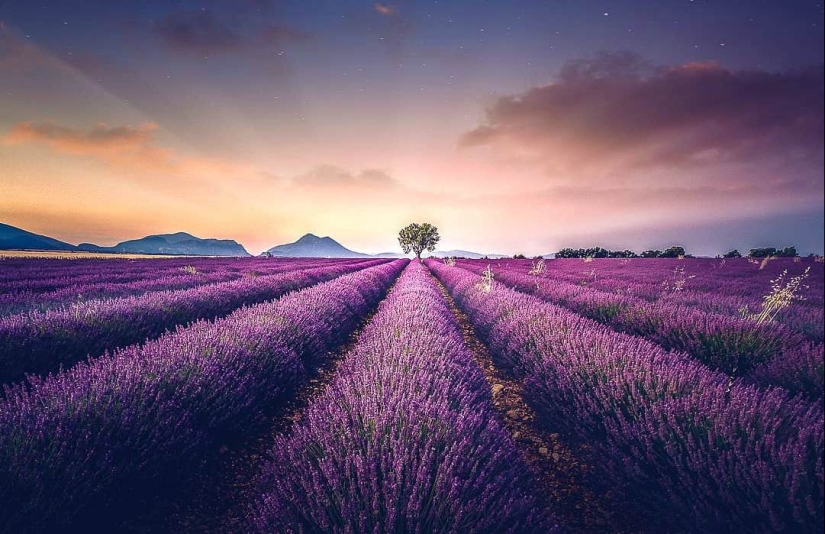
(312, 246)
(179, 243)
(390, 255)
(443, 254)
(12, 238)
(465, 254)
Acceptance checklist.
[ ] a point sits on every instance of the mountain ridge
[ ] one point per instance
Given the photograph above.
(312, 246)
(13, 238)
(178, 243)
(185, 244)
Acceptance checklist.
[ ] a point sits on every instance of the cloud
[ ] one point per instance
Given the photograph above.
(198, 31)
(101, 141)
(129, 150)
(207, 32)
(617, 114)
(385, 9)
(332, 177)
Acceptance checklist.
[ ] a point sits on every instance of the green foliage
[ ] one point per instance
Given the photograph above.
(765, 252)
(732, 254)
(594, 252)
(418, 238)
(673, 252)
(599, 252)
(519, 257)
(623, 254)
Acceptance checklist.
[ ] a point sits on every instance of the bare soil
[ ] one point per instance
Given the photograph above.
(559, 468)
(217, 498)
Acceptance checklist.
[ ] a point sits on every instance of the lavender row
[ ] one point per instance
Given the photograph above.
(42, 342)
(403, 440)
(801, 371)
(75, 441)
(683, 445)
(734, 277)
(800, 316)
(194, 274)
(679, 282)
(66, 274)
(22, 301)
(733, 345)
(39, 275)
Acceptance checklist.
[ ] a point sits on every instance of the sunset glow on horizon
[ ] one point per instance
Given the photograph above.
(515, 127)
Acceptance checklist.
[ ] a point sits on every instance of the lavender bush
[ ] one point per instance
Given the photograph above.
(71, 441)
(404, 439)
(42, 342)
(730, 344)
(685, 446)
(112, 279)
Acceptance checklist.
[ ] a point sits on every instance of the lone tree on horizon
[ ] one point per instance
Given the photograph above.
(418, 238)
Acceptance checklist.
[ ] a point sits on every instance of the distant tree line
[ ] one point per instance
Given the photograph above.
(599, 252)
(672, 252)
(787, 252)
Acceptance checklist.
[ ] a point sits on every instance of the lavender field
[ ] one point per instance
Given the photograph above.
(391, 396)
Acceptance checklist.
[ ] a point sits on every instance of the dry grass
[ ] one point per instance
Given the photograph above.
(538, 268)
(784, 292)
(487, 280)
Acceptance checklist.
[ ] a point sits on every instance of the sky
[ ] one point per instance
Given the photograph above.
(514, 126)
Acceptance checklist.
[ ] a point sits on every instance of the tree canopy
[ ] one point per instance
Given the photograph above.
(418, 238)
(787, 252)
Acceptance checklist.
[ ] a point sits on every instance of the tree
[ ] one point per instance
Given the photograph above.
(651, 253)
(418, 238)
(762, 252)
(732, 254)
(673, 252)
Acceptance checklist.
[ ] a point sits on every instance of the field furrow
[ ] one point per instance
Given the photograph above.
(733, 345)
(687, 448)
(39, 343)
(113, 428)
(107, 284)
(404, 439)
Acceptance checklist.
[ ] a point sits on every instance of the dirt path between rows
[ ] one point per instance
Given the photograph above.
(216, 500)
(556, 465)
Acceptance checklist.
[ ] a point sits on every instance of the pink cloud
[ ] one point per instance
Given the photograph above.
(385, 9)
(617, 114)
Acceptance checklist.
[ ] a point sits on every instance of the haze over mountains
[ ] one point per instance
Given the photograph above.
(12, 238)
(177, 243)
(312, 246)
(181, 243)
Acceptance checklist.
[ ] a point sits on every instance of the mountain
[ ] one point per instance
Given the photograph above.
(396, 255)
(312, 246)
(465, 254)
(443, 254)
(12, 238)
(179, 243)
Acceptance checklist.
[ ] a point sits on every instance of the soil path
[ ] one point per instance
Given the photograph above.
(557, 468)
(216, 499)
